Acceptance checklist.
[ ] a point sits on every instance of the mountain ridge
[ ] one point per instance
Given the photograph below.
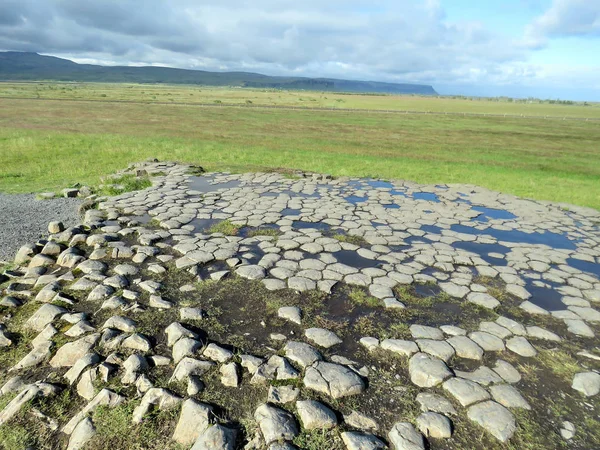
(30, 66)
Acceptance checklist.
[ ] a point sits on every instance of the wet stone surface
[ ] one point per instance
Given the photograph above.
(254, 311)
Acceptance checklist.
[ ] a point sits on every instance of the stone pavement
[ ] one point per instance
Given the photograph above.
(495, 252)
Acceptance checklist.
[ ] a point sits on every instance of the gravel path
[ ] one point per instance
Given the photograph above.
(23, 219)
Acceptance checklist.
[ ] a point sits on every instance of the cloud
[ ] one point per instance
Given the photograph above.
(351, 38)
(388, 40)
(565, 18)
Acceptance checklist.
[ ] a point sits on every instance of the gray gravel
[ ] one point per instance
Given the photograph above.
(23, 219)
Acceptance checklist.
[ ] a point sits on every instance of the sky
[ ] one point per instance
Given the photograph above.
(519, 48)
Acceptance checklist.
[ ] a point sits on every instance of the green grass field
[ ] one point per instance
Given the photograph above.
(307, 99)
(48, 144)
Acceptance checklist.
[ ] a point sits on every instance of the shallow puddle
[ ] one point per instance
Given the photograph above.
(204, 184)
(380, 184)
(353, 259)
(354, 199)
(429, 196)
(391, 206)
(492, 213)
(290, 212)
(546, 298)
(483, 250)
(547, 238)
(585, 266)
(302, 225)
(201, 225)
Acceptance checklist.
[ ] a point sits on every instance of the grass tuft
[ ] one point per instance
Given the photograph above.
(126, 183)
(225, 227)
(360, 297)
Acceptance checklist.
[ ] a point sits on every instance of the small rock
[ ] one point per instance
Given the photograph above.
(315, 415)
(588, 383)
(322, 337)
(434, 425)
(403, 436)
(427, 371)
(354, 440)
(494, 418)
(275, 423)
(291, 313)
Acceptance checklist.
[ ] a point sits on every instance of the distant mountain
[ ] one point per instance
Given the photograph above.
(20, 66)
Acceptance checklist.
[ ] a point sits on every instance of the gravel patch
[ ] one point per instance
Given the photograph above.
(24, 219)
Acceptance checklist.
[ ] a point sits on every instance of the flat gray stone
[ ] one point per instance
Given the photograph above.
(508, 396)
(483, 299)
(322, 337)
(512, 325)
(275, 423)
(465, 347)
(45, 315)
(402, 347)
(333, 379)
(291, 313)
(494, 418)
(427, 371)
(521, 346)
(465, 391)
(301, 353)
(507, 371)
(403, 436)
(426, 332)
(216, 437)
(356, 440)
(488, 342)
(439, 349)
(588, 383)
(301, 284)
(435, 403)
(251, 272)
(434, 425)
(194, 419)
(315, 415)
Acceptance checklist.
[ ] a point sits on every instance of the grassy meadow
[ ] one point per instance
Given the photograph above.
(47, 144)
(152, 93)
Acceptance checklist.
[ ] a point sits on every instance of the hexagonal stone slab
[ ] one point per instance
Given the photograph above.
(494, 418)
(465, 391)
(333, 379)
(427, 371)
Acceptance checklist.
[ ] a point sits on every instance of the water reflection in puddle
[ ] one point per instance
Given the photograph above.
(204, 184)
(391, 206)
(483, 251)
(548, 238)
(492, 213)
(546, 298)
(302, 225)
(585, 266)
(201, 225)
(290, 212)
(429, 196)
(353, 259)
(380, 184)
(354, 199)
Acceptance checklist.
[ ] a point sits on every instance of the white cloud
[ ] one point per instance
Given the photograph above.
(565, 18)
(389, 40)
